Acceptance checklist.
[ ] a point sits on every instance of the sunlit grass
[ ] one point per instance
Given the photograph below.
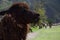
(48, 34)
(34, 29)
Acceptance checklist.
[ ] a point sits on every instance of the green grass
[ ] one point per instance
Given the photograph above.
(48, 34)
(34, 29)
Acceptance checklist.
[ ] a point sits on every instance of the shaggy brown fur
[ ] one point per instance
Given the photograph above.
(15, 24)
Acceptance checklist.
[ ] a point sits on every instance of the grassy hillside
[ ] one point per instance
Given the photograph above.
(48, 34)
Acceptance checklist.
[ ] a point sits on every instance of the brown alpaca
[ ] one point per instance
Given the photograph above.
(15, 23)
